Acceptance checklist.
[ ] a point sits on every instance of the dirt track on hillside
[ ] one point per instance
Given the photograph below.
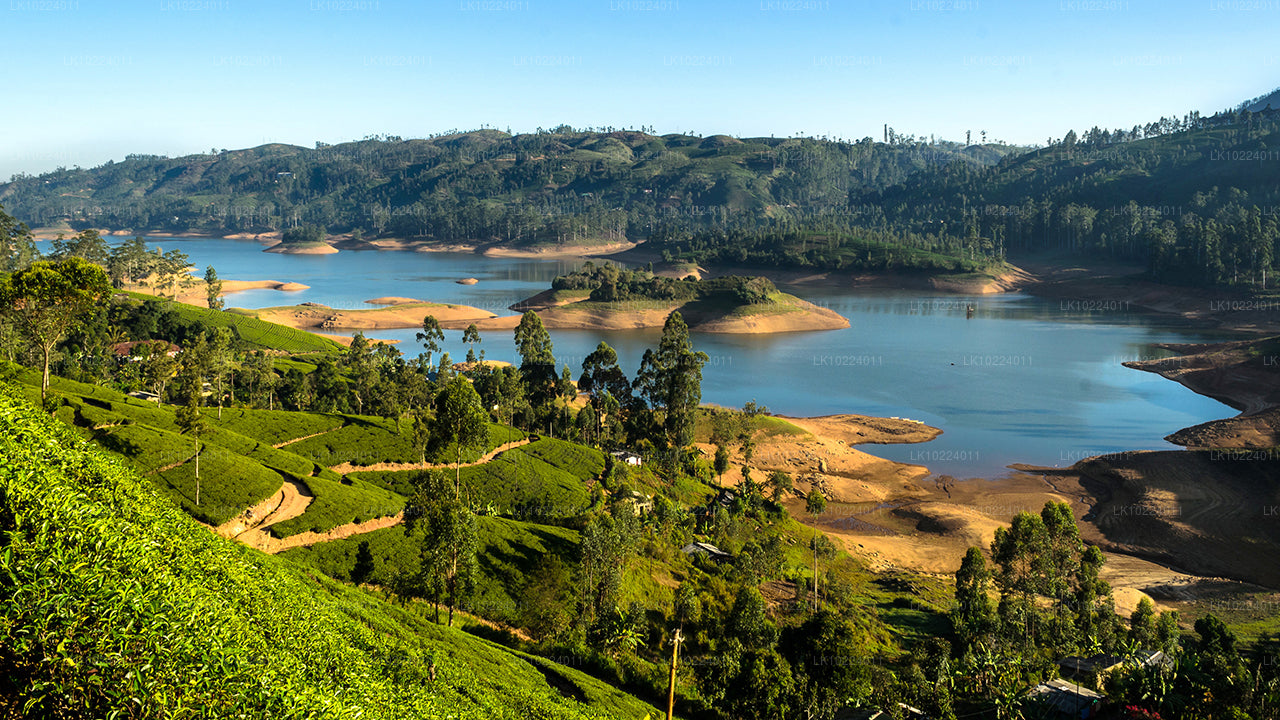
(345, 468)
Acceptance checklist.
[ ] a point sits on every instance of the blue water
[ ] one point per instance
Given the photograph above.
(1024, 379)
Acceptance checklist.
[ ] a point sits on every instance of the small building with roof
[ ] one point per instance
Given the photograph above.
(705, 549)
(1066, 699)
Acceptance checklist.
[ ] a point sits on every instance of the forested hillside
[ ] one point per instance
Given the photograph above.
(1195, 198)
(562, 185)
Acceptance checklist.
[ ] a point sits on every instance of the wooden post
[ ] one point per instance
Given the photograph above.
(671, 687)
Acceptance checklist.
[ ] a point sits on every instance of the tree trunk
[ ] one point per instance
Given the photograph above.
(457, 474)
(671, 687)
(197, 471)
(44, 379)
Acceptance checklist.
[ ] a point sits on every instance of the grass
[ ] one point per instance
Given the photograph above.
(507, 552)
(274, 426)
(257, 334)
(546, 478)
(368, 440)
(229, 483)
(761, 427)
(338, 502)
(236, 471)
(361, 441)
(116, 602)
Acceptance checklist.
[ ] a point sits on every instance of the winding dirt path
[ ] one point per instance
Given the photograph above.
(170, 466)
(272, 545)
(307, 437)
(347, 467)
(290, 501)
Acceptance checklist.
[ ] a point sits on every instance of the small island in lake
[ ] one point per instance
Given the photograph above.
(303, 240)
(606, 297)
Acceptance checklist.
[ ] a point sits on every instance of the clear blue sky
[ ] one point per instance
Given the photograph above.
(87, 81)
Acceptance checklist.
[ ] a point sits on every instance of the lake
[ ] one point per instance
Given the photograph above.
(1024, 379)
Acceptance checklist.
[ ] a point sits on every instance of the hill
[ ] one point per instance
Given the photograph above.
(1270, 101)
(607, 297)
(488, 187)
(1191, 197)
(114, 598)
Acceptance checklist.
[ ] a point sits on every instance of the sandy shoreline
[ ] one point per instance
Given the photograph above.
(196, 295)
(399, 315)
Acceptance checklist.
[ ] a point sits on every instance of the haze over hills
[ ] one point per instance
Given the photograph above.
(1270, 101)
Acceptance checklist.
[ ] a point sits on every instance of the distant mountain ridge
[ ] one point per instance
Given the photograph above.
(562, 185)
(1270, 101)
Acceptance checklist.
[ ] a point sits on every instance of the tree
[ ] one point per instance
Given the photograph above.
(86, 244)
(213, 289)
(17, 247)
(822, 549)
(46, 298)
(781, 483)
(602, 378)
(363, 568)
(973, 616)
(1142, 625)
(671, 379)
(220, 362)
(173, 268)
(446, 533)
(430, 337)
(460, 420)
(157, 365)
(471, 336)
(130, 262)
(721, 462)
(827, 662)
(547, 601)
(364, 372)
(537, 362)
(814, 502)
(303, 235)
(259, 373)
(748, 622)
(191, 422)
(608, 540)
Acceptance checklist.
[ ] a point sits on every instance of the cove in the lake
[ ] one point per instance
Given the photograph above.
(1020, 379)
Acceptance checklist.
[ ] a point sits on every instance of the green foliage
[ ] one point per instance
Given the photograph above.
(252, 332)
(229, 483)
(459, 421)
(498, 184)
(17, 247)
(45, 299)
(114, 601)
(338, 502)
(303, 235)
(608, 284)
(544, 479)
(815, 502)
(362, 440)
(276, 426)
(671, 379)
(366, 440)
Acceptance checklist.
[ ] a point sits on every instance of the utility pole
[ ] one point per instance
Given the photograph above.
(671, 687)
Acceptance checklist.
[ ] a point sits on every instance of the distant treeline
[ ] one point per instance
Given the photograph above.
(1195, 198)
(562, 185)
